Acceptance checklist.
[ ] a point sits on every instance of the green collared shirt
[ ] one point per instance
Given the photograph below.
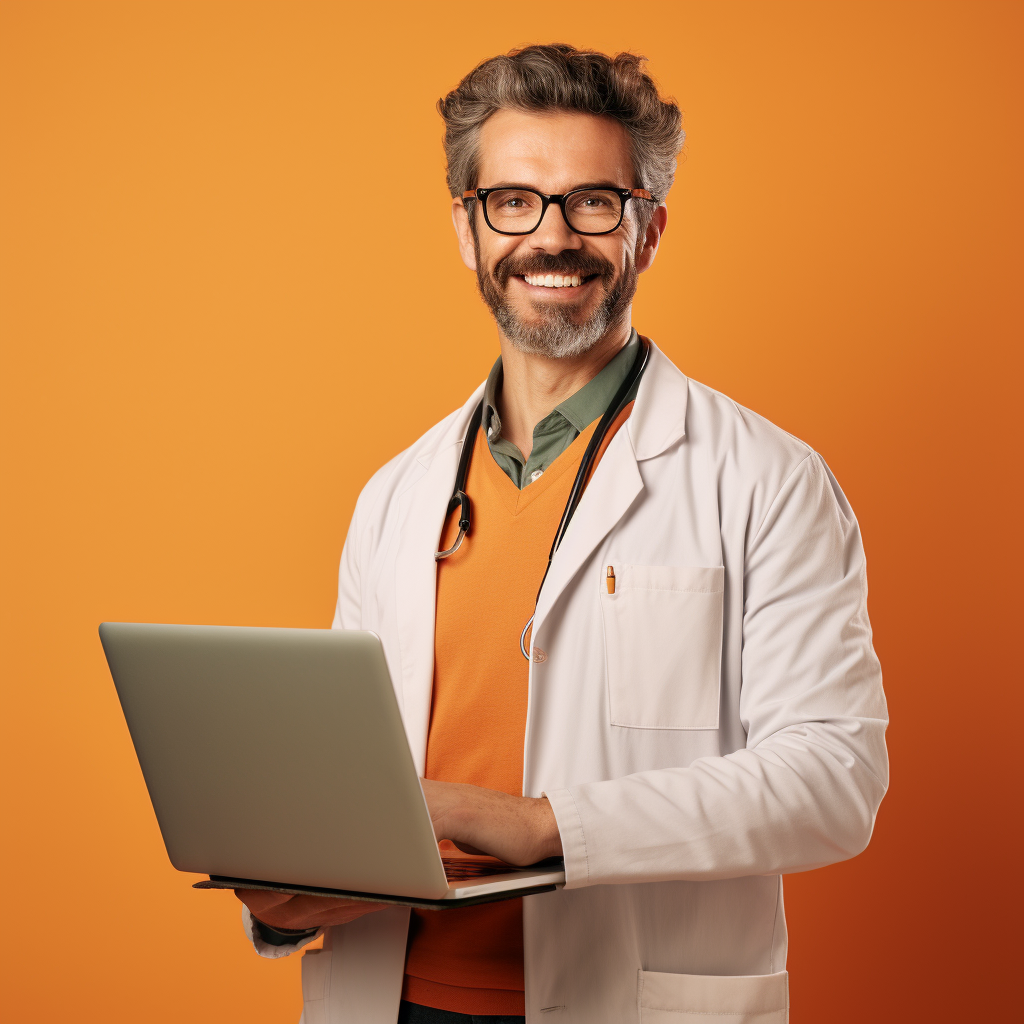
(562, 425)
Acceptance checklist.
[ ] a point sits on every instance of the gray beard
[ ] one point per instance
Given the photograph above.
(558, 336)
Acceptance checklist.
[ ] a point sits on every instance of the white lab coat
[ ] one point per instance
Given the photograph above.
(715, 722)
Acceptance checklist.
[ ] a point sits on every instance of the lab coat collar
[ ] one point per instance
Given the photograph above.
(657, 421)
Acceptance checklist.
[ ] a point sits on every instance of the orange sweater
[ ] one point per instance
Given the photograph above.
(471, 960)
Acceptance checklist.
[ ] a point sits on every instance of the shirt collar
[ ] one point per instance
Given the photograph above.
(579, 409)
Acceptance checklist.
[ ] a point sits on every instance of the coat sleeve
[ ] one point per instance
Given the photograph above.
(267, 949)
(359, 541)
(805, 789)
(348, 612)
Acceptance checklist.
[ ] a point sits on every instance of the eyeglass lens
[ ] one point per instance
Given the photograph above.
(518, 211)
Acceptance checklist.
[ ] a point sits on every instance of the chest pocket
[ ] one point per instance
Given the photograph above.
(663, 644)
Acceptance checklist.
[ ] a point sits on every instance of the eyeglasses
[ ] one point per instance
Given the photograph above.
(587, 211)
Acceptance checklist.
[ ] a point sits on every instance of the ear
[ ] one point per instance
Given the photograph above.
(652, 238)
(464, 233)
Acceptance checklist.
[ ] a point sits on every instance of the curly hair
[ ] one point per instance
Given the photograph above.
(561, 77)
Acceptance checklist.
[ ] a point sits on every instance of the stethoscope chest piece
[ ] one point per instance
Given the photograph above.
(460, 500)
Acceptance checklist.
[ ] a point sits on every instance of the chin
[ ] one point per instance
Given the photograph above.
(543, 314)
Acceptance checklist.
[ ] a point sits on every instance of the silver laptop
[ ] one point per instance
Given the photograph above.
(277, 759)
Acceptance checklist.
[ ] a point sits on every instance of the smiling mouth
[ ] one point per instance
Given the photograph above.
(557, 280)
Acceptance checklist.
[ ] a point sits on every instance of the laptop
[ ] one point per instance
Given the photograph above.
(277, 759)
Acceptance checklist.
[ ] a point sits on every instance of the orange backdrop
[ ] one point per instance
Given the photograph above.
(231, 291)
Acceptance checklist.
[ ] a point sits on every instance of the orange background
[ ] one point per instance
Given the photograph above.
(230, 291)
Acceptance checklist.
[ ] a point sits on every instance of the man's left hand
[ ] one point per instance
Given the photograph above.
(516, 829)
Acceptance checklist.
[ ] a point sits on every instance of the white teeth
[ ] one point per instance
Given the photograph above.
(553, 280)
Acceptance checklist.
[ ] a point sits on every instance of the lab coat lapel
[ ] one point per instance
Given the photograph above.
(421, 517)
(613, 488)
(658, 420)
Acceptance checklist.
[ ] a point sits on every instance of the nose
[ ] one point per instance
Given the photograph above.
(553, 234)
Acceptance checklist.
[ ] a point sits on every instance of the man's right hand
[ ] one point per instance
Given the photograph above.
(298, 913)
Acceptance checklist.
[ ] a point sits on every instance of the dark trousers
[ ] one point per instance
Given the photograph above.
(413, 1013)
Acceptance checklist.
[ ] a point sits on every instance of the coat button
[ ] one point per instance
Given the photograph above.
(539, 655)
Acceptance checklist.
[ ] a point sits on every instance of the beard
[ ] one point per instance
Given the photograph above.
(563, 330)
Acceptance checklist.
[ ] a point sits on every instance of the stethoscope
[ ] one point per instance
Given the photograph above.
(460, 499)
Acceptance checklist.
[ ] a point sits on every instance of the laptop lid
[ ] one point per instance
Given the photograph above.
(276, 754)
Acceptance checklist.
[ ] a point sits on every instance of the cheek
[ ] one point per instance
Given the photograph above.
(494, 249)
(617, 252)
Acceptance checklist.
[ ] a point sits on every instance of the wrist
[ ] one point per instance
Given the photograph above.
(546, 834)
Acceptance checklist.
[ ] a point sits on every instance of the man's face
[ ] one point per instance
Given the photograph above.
(555, 153)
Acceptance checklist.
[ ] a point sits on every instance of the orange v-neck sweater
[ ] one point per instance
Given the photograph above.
(471, 960)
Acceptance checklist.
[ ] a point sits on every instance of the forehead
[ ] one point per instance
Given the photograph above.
(553, 151)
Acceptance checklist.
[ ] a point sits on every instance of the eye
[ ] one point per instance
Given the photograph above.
(508, 202)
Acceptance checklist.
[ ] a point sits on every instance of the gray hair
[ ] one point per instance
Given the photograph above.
(560, 77)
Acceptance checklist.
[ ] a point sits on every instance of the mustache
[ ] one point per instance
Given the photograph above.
(572, 261)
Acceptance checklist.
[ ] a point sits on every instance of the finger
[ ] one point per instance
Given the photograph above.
(313, 911)
(343, 915)
(319, 906)
(261, 898)
(466, 848)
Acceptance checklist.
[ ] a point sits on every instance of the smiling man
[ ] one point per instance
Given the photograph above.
(638, 638)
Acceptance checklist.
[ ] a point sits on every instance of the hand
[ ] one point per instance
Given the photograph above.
(280, 910)
(516, 829)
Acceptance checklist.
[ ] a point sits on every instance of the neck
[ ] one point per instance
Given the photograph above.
(533, 385)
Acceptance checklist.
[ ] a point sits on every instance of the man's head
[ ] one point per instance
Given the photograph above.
(554, 119)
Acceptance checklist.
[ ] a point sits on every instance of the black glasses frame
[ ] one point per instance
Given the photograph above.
(625, 194)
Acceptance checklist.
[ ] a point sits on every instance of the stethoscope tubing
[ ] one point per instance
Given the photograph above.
(522, 636)
(460, 499)
(615, 407)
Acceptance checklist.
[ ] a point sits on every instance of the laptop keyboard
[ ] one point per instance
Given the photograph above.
(457, 869)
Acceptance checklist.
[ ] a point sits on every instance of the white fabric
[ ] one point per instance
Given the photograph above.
(716, 722)
(761, 999)
(265, 948)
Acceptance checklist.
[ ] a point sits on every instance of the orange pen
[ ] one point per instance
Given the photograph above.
(610, 579)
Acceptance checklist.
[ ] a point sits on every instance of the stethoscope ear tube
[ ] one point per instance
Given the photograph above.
(459, 499)
(615, 407)
(618, 403)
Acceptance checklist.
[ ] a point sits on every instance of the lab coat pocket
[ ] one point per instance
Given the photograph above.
(316, 970)
(677, 998)
(663, 642)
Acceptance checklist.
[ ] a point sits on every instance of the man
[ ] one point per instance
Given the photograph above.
(701, 710)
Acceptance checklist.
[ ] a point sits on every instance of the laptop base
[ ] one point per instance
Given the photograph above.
(222, 882)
